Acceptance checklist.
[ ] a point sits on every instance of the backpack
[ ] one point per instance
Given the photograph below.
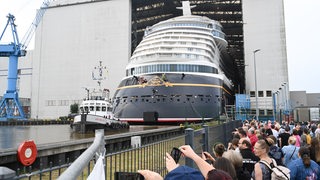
(276, 153)
(277, 172)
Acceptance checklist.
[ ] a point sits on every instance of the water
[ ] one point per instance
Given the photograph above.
(13, 136)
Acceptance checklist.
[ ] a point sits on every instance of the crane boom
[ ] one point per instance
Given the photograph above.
(10, 106)
(29, 34)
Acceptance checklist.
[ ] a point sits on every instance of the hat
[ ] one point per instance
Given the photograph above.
(185, 173)
(218, 174)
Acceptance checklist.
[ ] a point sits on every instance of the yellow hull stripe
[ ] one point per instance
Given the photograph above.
(178, 84)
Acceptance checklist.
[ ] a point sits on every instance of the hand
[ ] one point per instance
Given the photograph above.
(170, 163)
(207, 156)
(150, 175)
(188, 151)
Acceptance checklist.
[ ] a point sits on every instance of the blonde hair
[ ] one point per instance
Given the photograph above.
(292, 140)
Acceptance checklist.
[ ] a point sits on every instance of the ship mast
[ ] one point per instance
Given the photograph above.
(98, 74)
(186, 8)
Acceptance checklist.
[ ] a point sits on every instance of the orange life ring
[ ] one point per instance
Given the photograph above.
(27, 152)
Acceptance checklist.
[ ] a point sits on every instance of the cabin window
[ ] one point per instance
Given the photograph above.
(98, 108)
(103, 109)
(91, 108)
(252, 94)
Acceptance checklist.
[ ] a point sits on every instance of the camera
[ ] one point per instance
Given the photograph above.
(128, 176)
(175, 154)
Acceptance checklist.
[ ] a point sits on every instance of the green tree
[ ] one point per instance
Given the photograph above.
(74, 108)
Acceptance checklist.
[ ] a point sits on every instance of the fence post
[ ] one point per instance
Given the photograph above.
(205, 138)
(189, 141)
(225, 137)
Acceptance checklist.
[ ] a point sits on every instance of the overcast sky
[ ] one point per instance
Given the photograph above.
(302, 35)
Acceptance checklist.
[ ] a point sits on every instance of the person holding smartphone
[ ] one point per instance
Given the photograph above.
(175, 171)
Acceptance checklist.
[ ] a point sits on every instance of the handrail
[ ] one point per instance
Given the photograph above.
(81, 162)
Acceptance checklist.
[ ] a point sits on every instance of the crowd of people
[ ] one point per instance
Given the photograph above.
(255, 147)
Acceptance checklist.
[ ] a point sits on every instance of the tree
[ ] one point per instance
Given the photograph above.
(74, 108)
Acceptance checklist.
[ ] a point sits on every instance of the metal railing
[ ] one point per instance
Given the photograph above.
(132, 158)
(97, 148)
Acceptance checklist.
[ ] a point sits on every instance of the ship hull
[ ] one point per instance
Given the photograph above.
(177, 98)
(88, 123)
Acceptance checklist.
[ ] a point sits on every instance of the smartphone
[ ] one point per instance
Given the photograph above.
(128, 176)
(175, 154)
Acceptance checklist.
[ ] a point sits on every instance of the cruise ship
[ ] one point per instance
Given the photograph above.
(175, 75)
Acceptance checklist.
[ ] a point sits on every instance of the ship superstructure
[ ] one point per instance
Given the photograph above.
(175, 73)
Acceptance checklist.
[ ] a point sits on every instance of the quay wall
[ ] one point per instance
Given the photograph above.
(32, 122)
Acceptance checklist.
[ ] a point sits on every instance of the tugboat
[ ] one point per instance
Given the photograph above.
(96, 109)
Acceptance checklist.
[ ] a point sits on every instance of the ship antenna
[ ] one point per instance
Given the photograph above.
(186, 8)
(100, 73)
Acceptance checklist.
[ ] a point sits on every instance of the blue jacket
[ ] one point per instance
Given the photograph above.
(184, 173)
(298, 171)
(287, 151)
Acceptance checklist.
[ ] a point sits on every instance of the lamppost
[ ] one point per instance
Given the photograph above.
(255, 82)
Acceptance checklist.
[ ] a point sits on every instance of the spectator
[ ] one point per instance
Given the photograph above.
(249, 159)
(317, 131)
(275, 152)
(290, 152)
(234, 144)
(299, 129)
(305, 138)
(268, 131)
(296, 135)
(291, 125)
(284, 137)
(261, 171)
(304, 167)
(206, 169)
(253, 137)
(225, 165)
(175, 171)
(243, 134)
(216, 174)
(236, 159)
(275, 132)
(315, 150)
(218, 149)
(313, 129)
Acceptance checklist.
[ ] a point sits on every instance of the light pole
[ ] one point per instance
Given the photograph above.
(255, 82)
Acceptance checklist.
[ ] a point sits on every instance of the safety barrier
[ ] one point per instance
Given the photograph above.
(138, 155)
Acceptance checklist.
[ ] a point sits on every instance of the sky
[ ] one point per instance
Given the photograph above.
(302, 21)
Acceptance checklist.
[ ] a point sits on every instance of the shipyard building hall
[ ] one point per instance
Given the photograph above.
(75, 35)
